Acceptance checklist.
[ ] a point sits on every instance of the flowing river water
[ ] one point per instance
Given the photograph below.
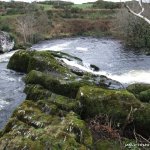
(124, 65)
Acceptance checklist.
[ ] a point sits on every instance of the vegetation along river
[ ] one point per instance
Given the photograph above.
(124, 65)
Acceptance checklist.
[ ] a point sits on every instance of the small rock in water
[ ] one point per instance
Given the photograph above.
(94, 68)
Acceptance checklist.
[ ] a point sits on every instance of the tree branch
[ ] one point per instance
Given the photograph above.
(138, 14)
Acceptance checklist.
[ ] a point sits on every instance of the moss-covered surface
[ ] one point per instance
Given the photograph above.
(115, 103)
(55, 84)
(98, 100)
(36, 92)
(31, 128)
(138, 87)
(19, 61)
(141, 91)
(25, 61)
(60, 102)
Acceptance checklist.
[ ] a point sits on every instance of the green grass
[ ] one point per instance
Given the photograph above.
(83, 6)
(2, 18)
(45, 6)
(100, 15)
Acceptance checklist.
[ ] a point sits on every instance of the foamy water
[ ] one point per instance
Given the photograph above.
(11, 89)
(116, 62)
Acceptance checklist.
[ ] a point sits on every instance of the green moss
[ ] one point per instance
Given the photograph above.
(36, 92)
(25, 61)
(44, 61)
(117, 104)
(19, 61)
(65, 103)
(144, 96)
(107, 145)
(141, 91)
(48, 107)
(138, 87)
(55, 84)
(142, 120)
(32, 128)
(97, 100)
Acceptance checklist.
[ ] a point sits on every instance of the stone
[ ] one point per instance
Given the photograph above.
(6, 42)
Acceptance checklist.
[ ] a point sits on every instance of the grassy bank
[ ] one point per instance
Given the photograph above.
(65, 20)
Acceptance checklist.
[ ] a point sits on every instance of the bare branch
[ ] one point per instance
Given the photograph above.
(142, 8)
(138, 14)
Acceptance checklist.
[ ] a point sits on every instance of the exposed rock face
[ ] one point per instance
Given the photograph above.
(59, 103)
(6, 43)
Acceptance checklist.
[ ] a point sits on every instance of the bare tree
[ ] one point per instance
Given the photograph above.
(25, 26)
(140, 14)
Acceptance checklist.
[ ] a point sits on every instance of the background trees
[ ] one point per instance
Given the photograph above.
(135, 30)
(32, 25)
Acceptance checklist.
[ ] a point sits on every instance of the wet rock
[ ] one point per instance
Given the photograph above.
(77, 71)
(6, 42)
(94, 67)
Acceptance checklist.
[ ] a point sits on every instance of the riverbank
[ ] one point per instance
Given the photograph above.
(65, 109)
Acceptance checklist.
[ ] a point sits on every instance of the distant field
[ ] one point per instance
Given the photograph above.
(83, 6)
(9, 17)
(45, 6)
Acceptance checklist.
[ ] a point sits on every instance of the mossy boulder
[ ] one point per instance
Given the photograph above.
(56, 84)
(142, 120)
(31, 128)
(138, 87)
(141, 91)
(65, 103)
(44, 61)
(115, 103)
(36, 92)
(144, 96)
(25, 61)
(95, 100)
(19, 61)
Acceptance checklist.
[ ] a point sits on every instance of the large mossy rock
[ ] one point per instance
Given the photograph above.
(25, 61)
(55, 84)
(31, 128)
(138, 87)
(98, 100)
(44, 97)
(115, 103)
(19, 61)
(36, 92)
(141, 91)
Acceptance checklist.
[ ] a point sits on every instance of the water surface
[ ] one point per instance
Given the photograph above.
(11, 89)
(124, 65)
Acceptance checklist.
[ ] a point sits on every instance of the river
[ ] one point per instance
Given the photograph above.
(124, 65)
(11, 89)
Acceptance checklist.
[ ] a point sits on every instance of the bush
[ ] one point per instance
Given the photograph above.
(106, 5)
